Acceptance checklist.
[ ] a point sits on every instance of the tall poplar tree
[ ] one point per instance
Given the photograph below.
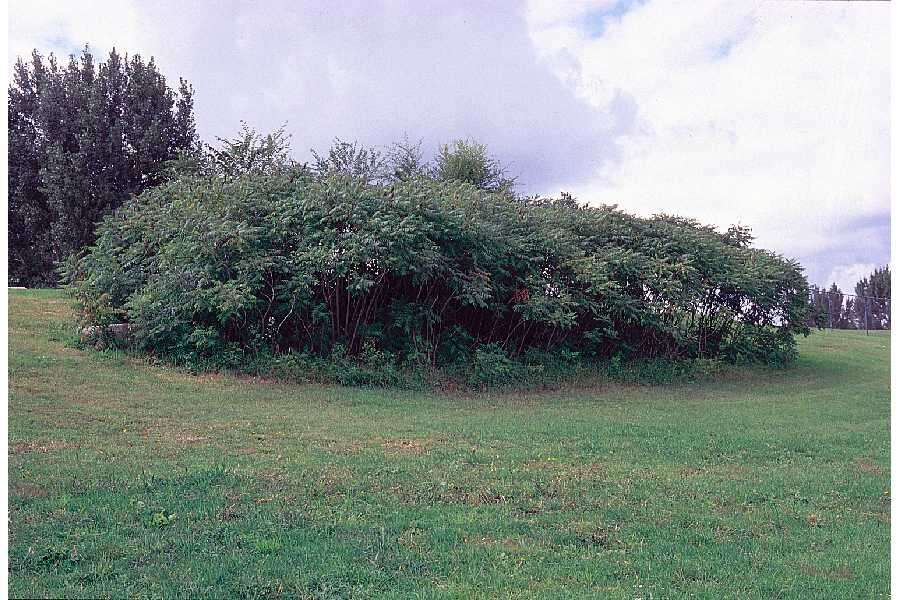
(873, 307)
(82, 139)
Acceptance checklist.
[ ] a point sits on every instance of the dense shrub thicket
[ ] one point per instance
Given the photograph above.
(424, 271)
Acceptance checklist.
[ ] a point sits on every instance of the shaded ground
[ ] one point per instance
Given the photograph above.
(128, 479)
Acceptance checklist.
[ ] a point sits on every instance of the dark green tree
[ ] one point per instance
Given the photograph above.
(83, 139)
(818, 308)
(873, 304)
(838, 317)
(848, 316)
(29, 214)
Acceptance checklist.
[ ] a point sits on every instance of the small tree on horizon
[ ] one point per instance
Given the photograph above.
(469, 161)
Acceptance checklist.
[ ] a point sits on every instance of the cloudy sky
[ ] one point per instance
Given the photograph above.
(772, 114)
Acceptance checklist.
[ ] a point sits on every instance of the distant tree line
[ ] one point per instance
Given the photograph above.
(869, 307)
(83, 138)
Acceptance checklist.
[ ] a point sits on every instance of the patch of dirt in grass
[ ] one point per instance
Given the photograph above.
(691, 471)
(27, 490)
(85, 395)
(413, 538)
(838, 573)
(542, 465)
(444, 494)
(603, 535)
(476, 497)
(188, 438)
(164, 434)
(411, 446)
(736, 472)
(272, 481)
(731, 506)
(728, 534)
(881, 516)
(591, 470)
(233, 509)
(172, 375)
(333, 480)
(865, 465)
(41, 447)
(485, 496)
(230, 513)
(343, 448)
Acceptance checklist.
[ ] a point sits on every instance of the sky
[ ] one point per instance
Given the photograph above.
(770, 114)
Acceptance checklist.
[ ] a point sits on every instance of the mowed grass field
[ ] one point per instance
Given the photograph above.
(133, 480)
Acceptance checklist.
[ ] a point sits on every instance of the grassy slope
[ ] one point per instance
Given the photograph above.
(767, 485)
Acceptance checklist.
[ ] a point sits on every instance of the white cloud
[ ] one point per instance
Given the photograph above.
(65, 27)
(846, 276)
(771, 114)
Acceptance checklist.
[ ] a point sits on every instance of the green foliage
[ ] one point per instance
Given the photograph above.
(661, 371)
(493, 368)
(82, 139)
(406, 160)
(249, 153)
(224, 266)
(371, 367)
(161, 519)
(468, 161)
(350, 159)
(877, 313)
(65, 333)
(869, 307)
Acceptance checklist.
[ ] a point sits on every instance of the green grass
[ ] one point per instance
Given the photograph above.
(129, 479)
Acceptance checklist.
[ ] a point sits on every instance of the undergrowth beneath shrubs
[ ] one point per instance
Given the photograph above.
(489, 368)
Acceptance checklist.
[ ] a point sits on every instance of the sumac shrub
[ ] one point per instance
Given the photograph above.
(377, 273)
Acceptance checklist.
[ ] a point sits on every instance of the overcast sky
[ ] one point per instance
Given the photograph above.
(770, 114)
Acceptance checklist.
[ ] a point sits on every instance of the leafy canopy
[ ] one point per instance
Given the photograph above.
(354, 256)
(83, 137)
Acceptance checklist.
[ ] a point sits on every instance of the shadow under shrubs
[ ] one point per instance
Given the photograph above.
(487, 368)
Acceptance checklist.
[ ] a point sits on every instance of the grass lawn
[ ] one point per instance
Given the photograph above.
(127, 479)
